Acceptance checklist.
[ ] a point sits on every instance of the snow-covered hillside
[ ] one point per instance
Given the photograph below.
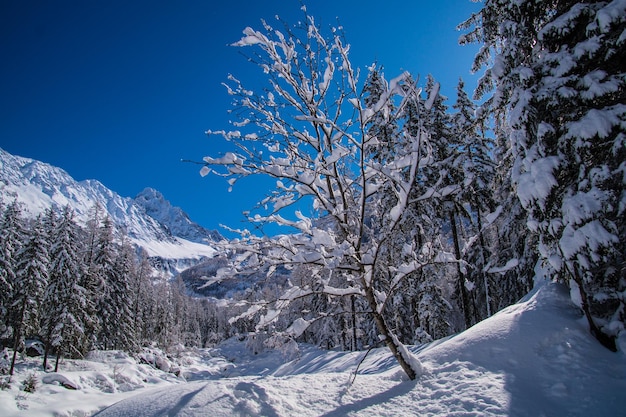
(150, 221)
(535, 358)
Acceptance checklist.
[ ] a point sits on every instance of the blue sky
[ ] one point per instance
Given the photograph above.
(121, 91)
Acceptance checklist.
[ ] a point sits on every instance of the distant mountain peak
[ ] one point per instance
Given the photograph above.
(173, 218)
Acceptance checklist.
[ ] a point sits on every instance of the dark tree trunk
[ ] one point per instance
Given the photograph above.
(16, 345)
(465, 302)
(483, 251)
(56, 362)
(18, 336)
(353, 306)
(605, 340)
(45, 356)
(391, 341)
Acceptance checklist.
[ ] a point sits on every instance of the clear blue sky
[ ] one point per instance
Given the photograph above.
(121, 91)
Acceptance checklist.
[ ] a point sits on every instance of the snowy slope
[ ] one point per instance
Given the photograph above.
(540, 353)
(534, 358)
(38, 186)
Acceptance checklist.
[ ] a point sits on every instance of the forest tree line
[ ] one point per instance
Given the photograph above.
(78, 289)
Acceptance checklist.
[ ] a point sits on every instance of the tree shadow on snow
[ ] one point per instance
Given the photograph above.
(375, 400)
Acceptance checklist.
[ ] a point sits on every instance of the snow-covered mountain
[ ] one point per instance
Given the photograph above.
(150, 221)
(174, 219)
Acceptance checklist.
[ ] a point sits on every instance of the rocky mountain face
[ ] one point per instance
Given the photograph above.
(173, 241)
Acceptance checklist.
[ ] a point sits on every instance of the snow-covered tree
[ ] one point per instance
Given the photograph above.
(103, 272)
(161, 325)
(30, 284)
(91, 278)
(140, 284)
(12, 232)
(475, 202)
(381, 125)
(309, 130)
(446, 177)
(123, 334)
(92, 230)
(65, 300)
(513, 247)
(558, 69)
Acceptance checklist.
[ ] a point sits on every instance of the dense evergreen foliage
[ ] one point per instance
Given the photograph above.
(80, 289)
(560, 91)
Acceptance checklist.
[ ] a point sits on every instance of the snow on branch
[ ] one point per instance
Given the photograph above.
(511, 264)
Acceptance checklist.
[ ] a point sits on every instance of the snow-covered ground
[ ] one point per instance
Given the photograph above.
(535, 358)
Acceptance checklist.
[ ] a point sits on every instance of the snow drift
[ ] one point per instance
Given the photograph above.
(534, 358)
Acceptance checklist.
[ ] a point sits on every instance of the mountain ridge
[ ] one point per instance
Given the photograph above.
(149, 220)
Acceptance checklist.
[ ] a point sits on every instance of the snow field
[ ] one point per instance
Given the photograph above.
(534, 358)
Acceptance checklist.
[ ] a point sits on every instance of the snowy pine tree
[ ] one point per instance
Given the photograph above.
(140, 284)
(475, 200)
(104, 273)
(30, 283)
(91, 278)
(65, 300)
(12, 232)
(123, 334)
(558, 68)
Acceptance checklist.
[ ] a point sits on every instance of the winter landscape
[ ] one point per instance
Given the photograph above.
(433, 256)
(527, 360)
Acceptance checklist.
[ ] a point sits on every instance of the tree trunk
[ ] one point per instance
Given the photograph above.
(392, 342)
(45, 356)
(18, 336)
(604, 339)
(56, 362)
(354, 341)
(344, 332)
(59, 351)
(15, 347)
(461, 282)
(483, 250)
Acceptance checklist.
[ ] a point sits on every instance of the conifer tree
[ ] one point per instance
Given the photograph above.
(444, 181)
(123, 332)
(140, 285)
(381, 125)
(30, 284)
(557, 68)
(91, 279)
(65, 300)
(475, 200)
(426, 218)
(12, 232)
(104, 274)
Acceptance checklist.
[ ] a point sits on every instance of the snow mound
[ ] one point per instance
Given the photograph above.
(533, 358)
(80, 387)
(60, 379)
